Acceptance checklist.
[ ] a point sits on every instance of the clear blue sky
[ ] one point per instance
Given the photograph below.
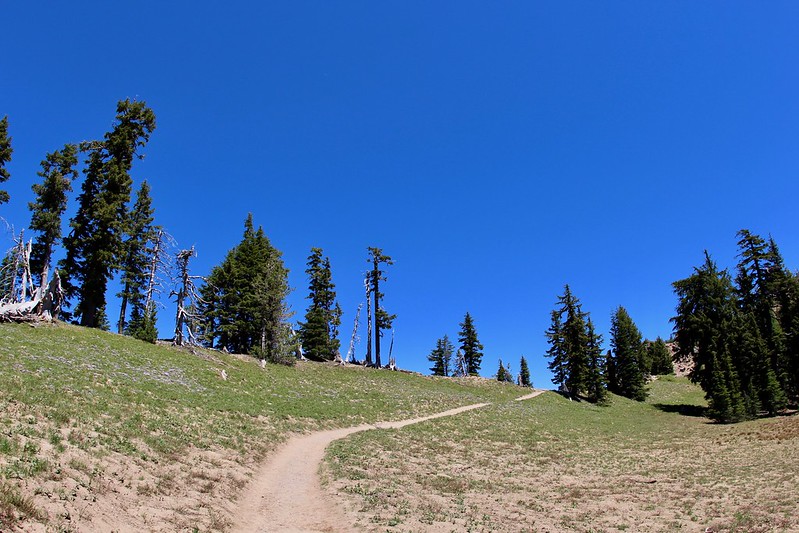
(496, 150)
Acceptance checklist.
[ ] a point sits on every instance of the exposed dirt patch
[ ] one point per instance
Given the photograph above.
(286, 494)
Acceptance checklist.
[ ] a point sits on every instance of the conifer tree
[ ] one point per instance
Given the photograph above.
(470, 345)
(596, 386)
(319, 332)
(137, 251)
(57, 175)
(94, 244)
(504, 374)
(382, 319)
(762, 282)
(575, 351)
(441, 357)
(660, 358)
(524, 374)
(706, 314)
(5, 156)
(243, 306)
(556, 353)
(627, 352)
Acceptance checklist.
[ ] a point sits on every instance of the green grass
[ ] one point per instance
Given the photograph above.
(66, 388)
(116, 392)
(551, 464)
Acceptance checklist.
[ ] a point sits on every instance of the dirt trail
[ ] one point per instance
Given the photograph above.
(531, 395)
(285, 494)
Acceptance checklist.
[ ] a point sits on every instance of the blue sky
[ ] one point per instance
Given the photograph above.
(495, 150)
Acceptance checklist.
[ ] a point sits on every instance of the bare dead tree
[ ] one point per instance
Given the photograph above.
(187, 298)
(24, 302)
(160, 266)
(354, 339)
(461, 368)
(391, 363)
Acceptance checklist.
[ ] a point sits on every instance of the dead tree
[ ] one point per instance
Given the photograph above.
(187, 298)
(24, 302)
(160, 267)
(461, 368)
(354, 339)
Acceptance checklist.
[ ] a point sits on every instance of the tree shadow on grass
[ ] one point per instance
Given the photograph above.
(682, 409)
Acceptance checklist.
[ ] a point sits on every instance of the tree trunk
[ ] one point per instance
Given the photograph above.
(376, 281)
(123, 310)
(368, 326)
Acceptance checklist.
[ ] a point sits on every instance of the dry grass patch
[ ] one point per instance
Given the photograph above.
(553, 465)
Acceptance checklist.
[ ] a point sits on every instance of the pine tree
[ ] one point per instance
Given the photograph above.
(503, 374)
(470, 345)
(137, 251)
(575, 351)
(704, 324)
(660, 358)
(556, 352)
(441, 357)
(319, 332)
(596, 387)
(382, 319)
(627, 352)
(243, 305)
(57, 175)
(524, 374)
(94, 245)
(5, 156)
(763, 287)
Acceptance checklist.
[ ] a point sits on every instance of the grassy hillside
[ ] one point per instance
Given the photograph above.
(93, 423)
(549, 464)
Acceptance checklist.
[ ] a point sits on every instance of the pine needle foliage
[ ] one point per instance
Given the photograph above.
(441, 357)
(5, 156)
(243, 308)
(470, 346)
(95, 246)
(627, 354)
(57, 174)
(319, 332)
(742, 336)
(575, 350)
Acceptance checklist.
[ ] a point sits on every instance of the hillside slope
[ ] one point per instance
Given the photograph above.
(103, 432)
(556, 465)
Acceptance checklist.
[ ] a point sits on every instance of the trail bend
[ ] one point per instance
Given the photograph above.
(285, 494)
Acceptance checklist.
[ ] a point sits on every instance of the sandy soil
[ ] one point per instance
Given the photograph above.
(286, 495)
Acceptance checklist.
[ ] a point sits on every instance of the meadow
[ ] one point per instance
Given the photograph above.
(103, 432)
(550, 464)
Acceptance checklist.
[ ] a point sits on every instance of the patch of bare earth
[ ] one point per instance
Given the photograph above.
(86, 491)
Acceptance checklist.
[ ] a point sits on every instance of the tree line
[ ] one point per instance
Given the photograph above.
(241, 306)
(739, 334)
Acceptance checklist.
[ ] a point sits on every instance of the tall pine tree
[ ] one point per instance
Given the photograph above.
(470, 346)
(627, 353)
(243, 307)
(704, 324)
(524, 374)
(319, 332)
(575, 351)
(137, 252)
(95, 243)
(58, 172)
(382, 319)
